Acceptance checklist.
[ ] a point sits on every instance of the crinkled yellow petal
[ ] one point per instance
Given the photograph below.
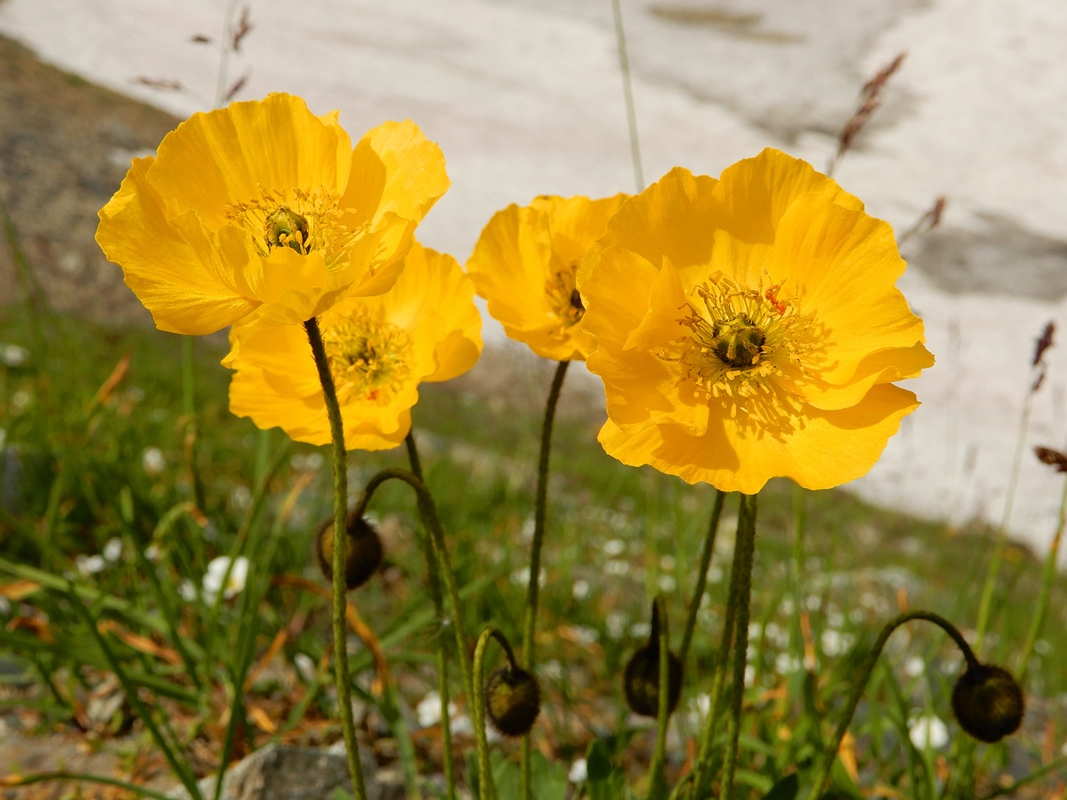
(173, 265)
(232, 154)
(395, 169)
(576, 222)
(826, 449)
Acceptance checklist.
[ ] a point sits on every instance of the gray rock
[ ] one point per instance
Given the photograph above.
(284, 772)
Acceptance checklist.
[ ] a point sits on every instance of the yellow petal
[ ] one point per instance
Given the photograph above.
(395, 169)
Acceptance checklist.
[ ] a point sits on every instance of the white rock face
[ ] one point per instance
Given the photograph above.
(525, 98)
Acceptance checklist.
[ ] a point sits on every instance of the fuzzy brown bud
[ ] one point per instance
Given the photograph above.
(641, 681)
(988, 702)
(363, 551)
(512, 701)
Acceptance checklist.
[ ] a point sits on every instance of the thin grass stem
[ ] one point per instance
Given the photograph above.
(702, 577)
(340, 515)
(16, 781)
(657, 779)
(628, 94)
(439, 640)
(1048, 577)
(533, 584)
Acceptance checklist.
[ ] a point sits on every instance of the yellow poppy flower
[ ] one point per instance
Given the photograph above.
(426, 328)
(524, 265)
(750, 327)
(264, 212)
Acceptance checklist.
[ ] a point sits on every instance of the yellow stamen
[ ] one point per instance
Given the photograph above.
(369, 358)
(564, 297)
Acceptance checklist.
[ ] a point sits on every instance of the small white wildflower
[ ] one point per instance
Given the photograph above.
(528, 528)
(834, 643)
(89, 565)
(667, 583)
(5, 606)
(297, 462)
(314, 461)
(812, 602)
(14, 355)
(186, 590)
(241, 497)
(216, 573)
(580, 589)
(928, 730)
(153, 462)
(616, 624)
(135, 394)
(552, 669)
(305, 666)
(585, 636)
(20, 401)
(521, 577)
(113, 549)
(714, 574)
(428, 710)
(667, 563)
(153, 553)
(914, 666)
(786, 663)
(614, 547)
(857, 615)
(750, 675)
(579, 771)
(639, 630)
(616, 567)
(1042, 647)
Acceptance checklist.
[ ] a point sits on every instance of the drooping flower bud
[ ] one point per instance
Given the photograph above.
(512, 700)
(988, 702)
(641, 679)
(363, 551)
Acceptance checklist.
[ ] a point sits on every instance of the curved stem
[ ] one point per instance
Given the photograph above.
(865, 675)
(702, 576)
(444, 564)
(486, 787)
(658, 782)
(340, 514)
(746, 545)
(533, 585)
(442, 654)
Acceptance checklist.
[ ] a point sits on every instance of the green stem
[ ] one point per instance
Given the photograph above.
(988, 589)
(486, 787)
(657, 780)
(628, 94)
(340, 526)
(702, 576)
(823, 778)
(438, 604)
(746, 545)
(444, 563)
(192, 431)
(533, 585)
(40, 777)
(702, 777)
(1048, 576)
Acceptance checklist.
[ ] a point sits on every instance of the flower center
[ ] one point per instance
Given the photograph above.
(305, 221)
(369, 358)
(746, 348)
(564, 297)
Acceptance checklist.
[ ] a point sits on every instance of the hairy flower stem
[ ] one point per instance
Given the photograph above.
(702, 577)
(533, 585)
(657, 780)
(746, 546)
(340, 527)
(438, 605)
(823, 778)
(486, 787)
(702, 777)
(192, 431)
(428, 511)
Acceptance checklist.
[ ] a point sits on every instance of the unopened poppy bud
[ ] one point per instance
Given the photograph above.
(512, 701)
(988, 702)
(363, 551)
(641, 681)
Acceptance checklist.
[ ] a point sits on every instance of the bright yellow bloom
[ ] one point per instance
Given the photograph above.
(263, 212)
(524, 265)
(750, 327)
(426, 328)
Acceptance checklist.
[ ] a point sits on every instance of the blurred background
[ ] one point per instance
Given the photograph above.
(526, 97)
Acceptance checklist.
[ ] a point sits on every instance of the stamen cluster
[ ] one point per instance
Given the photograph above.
(370, 358)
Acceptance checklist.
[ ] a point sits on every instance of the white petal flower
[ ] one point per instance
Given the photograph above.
(216, 573)
(579, 771)
(89, 565)
(153, 462)
(113, 549)
(928, 730)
